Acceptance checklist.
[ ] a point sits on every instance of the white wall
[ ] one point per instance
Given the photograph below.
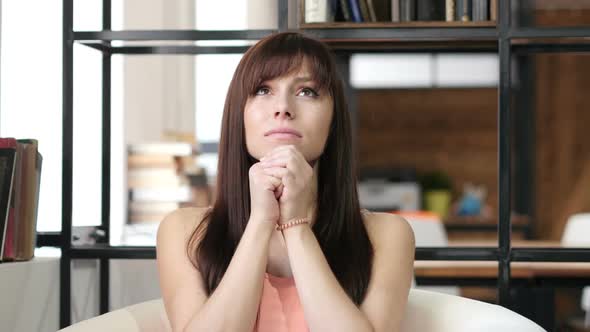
(158, 88)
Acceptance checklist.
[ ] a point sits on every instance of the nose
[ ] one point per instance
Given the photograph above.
(283, 109)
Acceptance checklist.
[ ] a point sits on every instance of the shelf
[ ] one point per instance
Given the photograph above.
(464, 37)
(557, 32)
(115, 252)
(171, 35)
(413, 24)
(422, 253)
(165, 49)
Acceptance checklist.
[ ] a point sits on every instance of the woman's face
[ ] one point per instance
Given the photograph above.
(288, 110)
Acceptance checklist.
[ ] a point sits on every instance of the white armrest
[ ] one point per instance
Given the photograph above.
(426, 312)
(585, 302)
(436, 312)
(149, 316)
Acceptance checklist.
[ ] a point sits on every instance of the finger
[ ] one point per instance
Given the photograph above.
(276, 172)
(289, 161)
(279, 191)
(289, 151)
(274, 182)
(278, 150)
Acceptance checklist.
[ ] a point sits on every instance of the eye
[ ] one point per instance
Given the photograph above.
(308, 92)
(263, 90)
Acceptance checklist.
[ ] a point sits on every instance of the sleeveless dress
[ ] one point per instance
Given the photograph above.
(280, 309)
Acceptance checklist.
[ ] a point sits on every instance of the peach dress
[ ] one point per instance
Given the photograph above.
(280, 309)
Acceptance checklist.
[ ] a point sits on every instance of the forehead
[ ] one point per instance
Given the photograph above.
(297, 73)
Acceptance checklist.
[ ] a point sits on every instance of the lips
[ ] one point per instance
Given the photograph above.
(286, 132)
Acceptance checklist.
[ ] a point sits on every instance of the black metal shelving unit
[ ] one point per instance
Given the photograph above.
(505, 39)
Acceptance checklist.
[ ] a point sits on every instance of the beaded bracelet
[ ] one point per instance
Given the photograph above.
(291, 223)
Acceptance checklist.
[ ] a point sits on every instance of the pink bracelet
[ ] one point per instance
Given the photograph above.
(291, 223)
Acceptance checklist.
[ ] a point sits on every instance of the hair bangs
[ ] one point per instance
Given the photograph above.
(278, 57)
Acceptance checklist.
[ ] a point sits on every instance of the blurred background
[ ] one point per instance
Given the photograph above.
(425, 126)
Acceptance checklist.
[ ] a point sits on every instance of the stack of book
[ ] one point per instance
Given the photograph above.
(20, 176)
(161, 179)
(321, 11)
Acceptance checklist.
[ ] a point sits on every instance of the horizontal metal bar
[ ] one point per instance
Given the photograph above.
(457, 254)
(422, 253)
(551, 48)
(540, 282)
(101, 46)
(49, 239)
(179, 49)
(553, 32)
(550, 254)
(109, 35)
(338, 48)
(424, 48)
(452, 281)
(119, 252)
(559, 282)
(480, 227)
(404, 33)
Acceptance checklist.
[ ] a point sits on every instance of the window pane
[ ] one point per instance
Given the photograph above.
(31, 72)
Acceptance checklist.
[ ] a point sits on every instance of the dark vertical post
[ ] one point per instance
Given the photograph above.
(524, 124)
(106, 158)
(67, 144)
(524, 141)
(504, 141)
(283, 15)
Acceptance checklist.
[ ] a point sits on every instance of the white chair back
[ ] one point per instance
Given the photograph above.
(429, 231)
(577, 234)
(426, 312)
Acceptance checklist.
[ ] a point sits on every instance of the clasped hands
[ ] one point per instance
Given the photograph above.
(294, 192)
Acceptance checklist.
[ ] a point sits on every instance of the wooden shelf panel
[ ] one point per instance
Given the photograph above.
(414, 24)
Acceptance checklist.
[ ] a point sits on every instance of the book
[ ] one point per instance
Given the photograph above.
(479, 10)
(382, 10)
(163, 148)
(355, 11)
(26, 224)
(344, 10)
(407, 10)
(463, 10)
(7, 173)
(493, 10)
(364, 10)
(318, 11)
(450, 10)
(16, 202)
(162, 161)
(372, 13)
(395, 11)
(181, 194)
(155, 178)
(430, 10)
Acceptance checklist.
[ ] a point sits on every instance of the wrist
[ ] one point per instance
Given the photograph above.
(265, 228)
(295, 232)
(293, 222)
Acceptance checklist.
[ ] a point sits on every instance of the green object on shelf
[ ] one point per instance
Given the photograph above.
(438, 201)
(435, 181)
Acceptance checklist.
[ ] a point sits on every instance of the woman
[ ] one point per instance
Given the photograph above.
(285, 246)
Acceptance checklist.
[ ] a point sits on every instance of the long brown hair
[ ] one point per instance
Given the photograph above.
(339, 226)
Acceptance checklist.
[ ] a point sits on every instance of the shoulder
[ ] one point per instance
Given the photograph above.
(387, 230)
(180, 223)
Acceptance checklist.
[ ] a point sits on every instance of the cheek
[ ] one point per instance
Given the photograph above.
(253, 143)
